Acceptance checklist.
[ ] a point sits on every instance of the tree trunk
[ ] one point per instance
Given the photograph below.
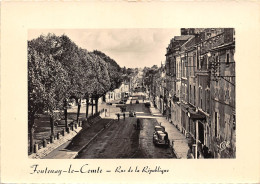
(92, 106)
(31, 129)
(79, 105)
(66, 113)
(52, 125)
(87, 103)
(96, 105)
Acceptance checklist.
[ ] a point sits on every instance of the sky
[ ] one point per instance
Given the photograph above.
(128, 47)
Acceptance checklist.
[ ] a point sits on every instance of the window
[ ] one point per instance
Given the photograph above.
(207, 101)
(216, 124)
(194, 58)
(199, 99)
(227, 95)
(227, 59)
(189, 66)
(194, 91)
(190, 94)
(207, 67)
(198, 64)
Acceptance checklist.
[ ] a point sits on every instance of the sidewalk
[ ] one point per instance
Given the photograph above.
(57, 145)
(180, 143)
(71, 148)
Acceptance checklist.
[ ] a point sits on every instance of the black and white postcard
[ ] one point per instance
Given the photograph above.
(120, 92)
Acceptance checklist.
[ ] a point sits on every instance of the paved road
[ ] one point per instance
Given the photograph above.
(122, 140)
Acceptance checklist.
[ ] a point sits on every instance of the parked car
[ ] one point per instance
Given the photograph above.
(122, 102)
(123, 108)
(159, 128)
(147, 104)
(161, 138)
(132, 114)
(137, 102)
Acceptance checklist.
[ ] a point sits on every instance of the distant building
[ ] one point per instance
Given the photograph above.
(119, 93)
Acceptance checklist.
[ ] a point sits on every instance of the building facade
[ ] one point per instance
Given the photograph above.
(200, 89)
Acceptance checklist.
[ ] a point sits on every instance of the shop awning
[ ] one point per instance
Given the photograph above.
(192, 113)
(196, 115)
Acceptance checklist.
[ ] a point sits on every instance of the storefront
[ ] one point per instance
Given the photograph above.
(197, 128)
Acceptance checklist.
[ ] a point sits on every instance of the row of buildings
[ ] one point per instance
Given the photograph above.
(119, 93)
(195, 88)
(131, 83)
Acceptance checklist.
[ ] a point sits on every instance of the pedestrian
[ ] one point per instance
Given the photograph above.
(124, 115)
(190, 154)
(211, 155)
(205, 151)
(118, 116)
(218, 154)
(166, 138)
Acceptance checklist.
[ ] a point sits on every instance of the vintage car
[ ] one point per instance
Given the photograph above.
(161, 138)
(132, 114)
(159, 128)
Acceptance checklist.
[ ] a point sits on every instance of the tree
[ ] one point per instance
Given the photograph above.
(62, 50)
(114, 70)
(86, 77)
(58, 70)
(101, 81)
(47, 84)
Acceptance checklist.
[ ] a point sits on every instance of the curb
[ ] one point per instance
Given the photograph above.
(173, 150)
(45, 151)
(93, 138)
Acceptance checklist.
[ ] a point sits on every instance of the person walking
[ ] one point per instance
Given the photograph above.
(190, 154)
(118, 116)
(124, 115)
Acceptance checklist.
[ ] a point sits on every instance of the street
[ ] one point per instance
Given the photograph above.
(122, 140)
